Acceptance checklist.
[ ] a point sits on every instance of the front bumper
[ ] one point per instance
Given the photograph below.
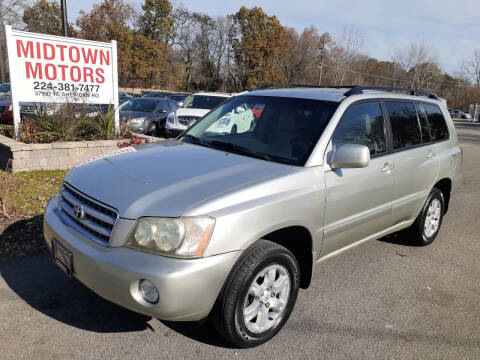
(138, 128)
(188, 288)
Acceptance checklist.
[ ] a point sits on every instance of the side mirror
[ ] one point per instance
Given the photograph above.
(350, 156)
(180, 104)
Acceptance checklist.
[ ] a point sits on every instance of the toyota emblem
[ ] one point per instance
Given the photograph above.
(78, 211)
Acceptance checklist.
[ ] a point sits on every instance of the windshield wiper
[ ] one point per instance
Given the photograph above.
(197, 141)
(240, 150)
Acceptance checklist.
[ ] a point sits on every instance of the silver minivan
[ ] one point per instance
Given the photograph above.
(227, 223)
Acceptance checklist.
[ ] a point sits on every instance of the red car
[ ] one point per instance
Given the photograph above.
(6, 114)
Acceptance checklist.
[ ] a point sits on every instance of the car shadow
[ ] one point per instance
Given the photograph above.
(43, 286)
(202, 332)
(402, 238)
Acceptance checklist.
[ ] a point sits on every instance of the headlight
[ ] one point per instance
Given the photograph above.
(137, 121)
(178, 237)
(171, 118)
(223, 123)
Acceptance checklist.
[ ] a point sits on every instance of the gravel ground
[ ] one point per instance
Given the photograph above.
(381, 300)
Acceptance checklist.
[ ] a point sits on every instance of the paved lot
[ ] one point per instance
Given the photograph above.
(381, 300)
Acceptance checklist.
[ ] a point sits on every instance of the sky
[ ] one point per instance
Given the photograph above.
(450, 27)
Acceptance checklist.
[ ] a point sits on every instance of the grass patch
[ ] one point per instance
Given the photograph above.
(29, 191)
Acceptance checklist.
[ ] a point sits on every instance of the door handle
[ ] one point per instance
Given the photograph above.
(387, 167)
(431, 155)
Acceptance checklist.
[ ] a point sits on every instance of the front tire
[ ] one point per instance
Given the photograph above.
(258, 296)
(152, 129)
(427, 225)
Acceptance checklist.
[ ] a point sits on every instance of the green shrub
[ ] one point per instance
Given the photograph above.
(69, 123)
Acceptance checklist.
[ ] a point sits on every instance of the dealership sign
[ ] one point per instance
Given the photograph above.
(55, 69)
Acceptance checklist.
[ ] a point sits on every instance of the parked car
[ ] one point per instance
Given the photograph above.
(5, 89)
(229, 226)
(6, 114)
(194, 108)
(146, 115)
(458, 114)
(92, 110)
(122, 97)
(178, 98)
(241, 119)
(157, 94)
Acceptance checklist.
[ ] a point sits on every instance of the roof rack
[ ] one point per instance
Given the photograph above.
(354, 89)
(357, 90)
(268, 86)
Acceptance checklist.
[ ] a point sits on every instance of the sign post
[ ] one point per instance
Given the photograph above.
(55, 69)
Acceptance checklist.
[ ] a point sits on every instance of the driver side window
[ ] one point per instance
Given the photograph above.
(362, 124)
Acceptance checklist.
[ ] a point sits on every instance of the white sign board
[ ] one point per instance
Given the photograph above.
(55, 69)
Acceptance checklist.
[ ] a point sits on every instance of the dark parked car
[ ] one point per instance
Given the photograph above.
(157, 94)
(146, 115)
(178, 98)
(5, 89)
(6, 114)
(123, 96)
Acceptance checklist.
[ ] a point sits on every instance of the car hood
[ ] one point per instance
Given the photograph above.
(192, 112)
(127, 115)
(167, 178)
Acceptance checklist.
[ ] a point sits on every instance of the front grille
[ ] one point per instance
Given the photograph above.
(90, 217)
(187, 120)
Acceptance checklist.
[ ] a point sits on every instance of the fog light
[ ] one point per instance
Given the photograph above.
(148, 291)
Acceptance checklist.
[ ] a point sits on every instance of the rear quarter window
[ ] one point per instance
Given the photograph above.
(436, 122)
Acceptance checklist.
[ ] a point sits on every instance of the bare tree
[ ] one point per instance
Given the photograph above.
(184, 40)
(344, 54)
(471, 67)
(418, 65)
(10, 14)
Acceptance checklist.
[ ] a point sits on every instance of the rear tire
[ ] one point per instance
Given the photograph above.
(258, 296)
(427, 225)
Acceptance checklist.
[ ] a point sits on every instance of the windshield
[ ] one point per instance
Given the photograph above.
(279, 129)
(203, 101)
(143, 105)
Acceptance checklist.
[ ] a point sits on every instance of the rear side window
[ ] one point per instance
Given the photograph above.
(423, 124)
(404, 122)
(436, 121)
(362, 124)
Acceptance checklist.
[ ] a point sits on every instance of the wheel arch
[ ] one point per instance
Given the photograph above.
(445, 186)
(298, 240)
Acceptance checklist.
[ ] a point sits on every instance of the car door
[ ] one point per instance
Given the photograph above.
(358, 201)
(416, 166)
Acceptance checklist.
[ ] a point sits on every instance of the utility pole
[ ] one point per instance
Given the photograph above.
(63, 4)
(322, 53)
(2, 41)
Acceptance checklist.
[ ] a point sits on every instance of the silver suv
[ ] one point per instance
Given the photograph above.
(228, 222)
